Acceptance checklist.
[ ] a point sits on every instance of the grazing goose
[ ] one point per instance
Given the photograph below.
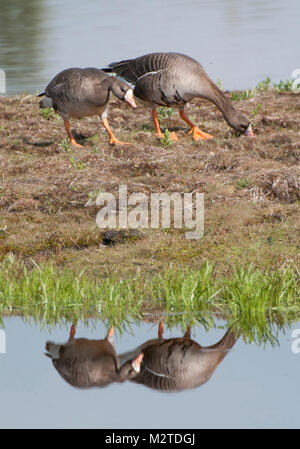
(176, 364)
(84, 92)
(87, 363)
(173, 79)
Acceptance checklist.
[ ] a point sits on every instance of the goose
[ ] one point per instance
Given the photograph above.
(174, 79)
(177, 364)
(79, 92)
(85, 363)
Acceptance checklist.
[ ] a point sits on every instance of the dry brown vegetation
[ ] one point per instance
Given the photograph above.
(251, 186)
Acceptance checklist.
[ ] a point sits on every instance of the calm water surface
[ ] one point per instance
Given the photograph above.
(238, 41)
(252, 387)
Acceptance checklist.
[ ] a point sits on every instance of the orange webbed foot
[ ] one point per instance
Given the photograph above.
(160, 135)
(200, 135)
(117, 142)
(173, 136)
(75, 144)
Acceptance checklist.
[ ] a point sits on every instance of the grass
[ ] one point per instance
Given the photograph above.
(263, 87)
(244, 95)
(283, 86)
(242, 183)
(166, 140)
(250, 300)
(163, 113)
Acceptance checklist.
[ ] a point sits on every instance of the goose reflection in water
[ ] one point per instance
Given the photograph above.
(85, 363)
(176, 364)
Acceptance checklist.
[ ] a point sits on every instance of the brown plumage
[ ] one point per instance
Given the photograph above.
(173, 79)
(84, 92)
(176, 364)
(85, 363)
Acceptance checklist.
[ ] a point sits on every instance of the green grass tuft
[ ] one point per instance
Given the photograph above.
(251, 301)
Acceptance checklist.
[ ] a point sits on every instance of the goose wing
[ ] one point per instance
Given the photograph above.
(162, 78)
(162, 88)
(132, 69)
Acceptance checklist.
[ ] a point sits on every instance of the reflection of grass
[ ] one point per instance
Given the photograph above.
(251, 300)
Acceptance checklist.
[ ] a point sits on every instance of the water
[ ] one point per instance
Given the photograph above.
(238, 41)
(253, 387)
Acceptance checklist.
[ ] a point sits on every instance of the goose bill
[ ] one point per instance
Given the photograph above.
(129, 98)
(249, 132)
(136, 364)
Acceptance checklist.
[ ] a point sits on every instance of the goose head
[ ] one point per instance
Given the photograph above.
(240, 123)
(131, 368)
(123, 92)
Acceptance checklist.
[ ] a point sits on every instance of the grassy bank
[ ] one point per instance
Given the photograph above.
(251, 300)
(252, 215)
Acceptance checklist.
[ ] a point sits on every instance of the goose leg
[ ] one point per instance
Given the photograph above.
(72, 140)
(113, 139)
(159, 134)
(197, 133)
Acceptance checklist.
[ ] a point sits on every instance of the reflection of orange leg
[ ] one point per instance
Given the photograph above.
(110, 334)
(72, 140)
(188, 332)
(160, 329)
(113, 139)
(159, 134)
(72, 331)
(197, 133)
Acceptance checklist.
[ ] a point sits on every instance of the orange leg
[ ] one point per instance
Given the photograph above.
(113, 139)
(197, 133)
(159, 134)
(156, 123)
(160, 329)
(72, 140)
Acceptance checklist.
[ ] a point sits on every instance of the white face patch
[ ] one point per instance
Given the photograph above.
(128, 95)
